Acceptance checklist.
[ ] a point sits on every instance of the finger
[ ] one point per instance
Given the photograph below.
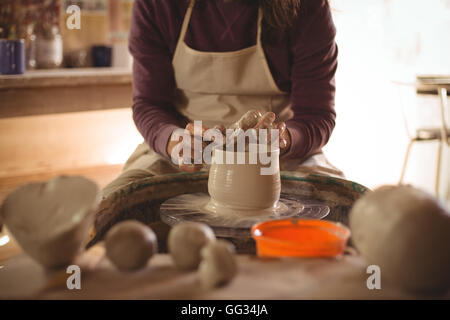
(191, 156)
(266, 121)
(193, 150)
(284, 138)
(198, 148)
(190, 167)
(221, 128)
(282, 127)
(191, 128)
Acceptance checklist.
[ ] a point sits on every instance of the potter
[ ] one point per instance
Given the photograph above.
(199, 74)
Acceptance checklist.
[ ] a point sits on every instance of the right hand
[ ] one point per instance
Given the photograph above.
(268, 122)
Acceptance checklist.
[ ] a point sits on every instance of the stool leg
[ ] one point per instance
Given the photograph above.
(438, 168)
(405, 161)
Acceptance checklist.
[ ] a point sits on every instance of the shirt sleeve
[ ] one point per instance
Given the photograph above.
(314, 62)
(153, 80)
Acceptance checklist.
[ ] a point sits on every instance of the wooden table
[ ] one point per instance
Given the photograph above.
(431, 83)
(340, 278)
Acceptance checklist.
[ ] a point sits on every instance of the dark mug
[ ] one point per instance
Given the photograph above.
(12, 56)
(101, 56)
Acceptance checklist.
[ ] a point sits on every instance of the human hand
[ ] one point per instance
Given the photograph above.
(268, 122)
(182, 143)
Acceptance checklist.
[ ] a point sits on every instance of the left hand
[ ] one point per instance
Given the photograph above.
(268, 122)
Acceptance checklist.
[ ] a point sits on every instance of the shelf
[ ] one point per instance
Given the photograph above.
(66, 77)
(65, 90)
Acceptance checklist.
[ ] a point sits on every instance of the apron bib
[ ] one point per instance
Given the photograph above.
(218, 88)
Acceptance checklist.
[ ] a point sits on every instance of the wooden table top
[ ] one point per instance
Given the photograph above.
(424, 83)
(340, 278)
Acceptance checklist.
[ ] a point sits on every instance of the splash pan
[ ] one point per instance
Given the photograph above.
(194, 207)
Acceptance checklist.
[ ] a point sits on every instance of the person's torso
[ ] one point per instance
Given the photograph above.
(225, 26)
(219, 87)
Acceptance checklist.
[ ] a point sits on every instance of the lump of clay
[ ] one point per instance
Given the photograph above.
(248, 120)
(51, 220)
(185, 243)
(218, 265)
(130, 244)
(406, 232)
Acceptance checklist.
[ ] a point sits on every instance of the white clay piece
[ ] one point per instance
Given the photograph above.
(243, 189)
(186, 241)
(218, 264)
(50, 220)
(406, 232)
(130, 244)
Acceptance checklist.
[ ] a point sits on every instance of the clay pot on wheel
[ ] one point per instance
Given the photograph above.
(241, 184)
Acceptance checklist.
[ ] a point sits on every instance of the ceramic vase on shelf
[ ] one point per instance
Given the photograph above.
(49, 44)
(30, 43)
(49, 49)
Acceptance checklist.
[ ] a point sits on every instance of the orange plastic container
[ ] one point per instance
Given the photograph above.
(300, 238)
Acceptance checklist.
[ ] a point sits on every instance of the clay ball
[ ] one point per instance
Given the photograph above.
(406, 232)
(185, 242)
(218, 264)
(130, 244)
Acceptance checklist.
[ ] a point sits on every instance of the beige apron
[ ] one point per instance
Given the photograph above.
(217, 88)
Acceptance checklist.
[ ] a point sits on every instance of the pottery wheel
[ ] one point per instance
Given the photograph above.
(191, 208)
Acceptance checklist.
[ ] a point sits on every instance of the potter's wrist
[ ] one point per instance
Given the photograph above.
(164, 143)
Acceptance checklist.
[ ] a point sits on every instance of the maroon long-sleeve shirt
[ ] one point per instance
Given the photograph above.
(303, 62)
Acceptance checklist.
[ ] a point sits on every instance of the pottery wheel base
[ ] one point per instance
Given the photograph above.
(192, 208)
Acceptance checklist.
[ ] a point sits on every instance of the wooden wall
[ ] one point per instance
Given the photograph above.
(47, 143)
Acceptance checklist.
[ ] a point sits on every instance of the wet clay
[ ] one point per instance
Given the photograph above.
(130, 244)
(50, 220)
(218, 264)
(406, 232)
(242, 188)
(185, 242)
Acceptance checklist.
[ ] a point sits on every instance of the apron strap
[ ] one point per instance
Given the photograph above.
(187, 19)
(259, 32)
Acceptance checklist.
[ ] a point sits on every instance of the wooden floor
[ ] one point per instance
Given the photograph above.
(101, 175)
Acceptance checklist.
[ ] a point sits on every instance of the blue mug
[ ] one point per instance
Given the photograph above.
(101, 56)
(12, 56)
